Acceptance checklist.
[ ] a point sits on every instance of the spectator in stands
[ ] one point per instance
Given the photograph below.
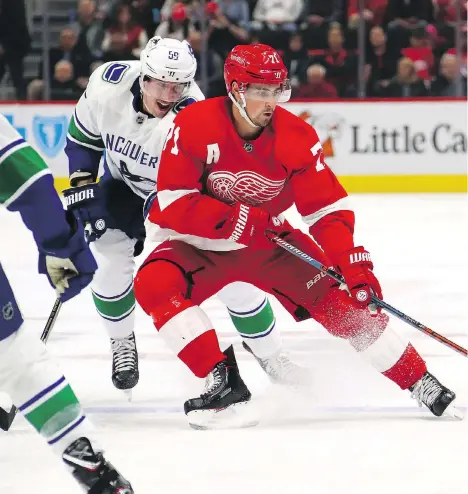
(214, 67)
(407, 13)
(223, 33)
(382, 61)
(192, 9)
(275, 19)
(446, 83)
(341, 66)
(463, 49)
(316, 87)
(179, 26)
(445, 17)
(69, 51)
(88, 28)
(14, 43)
(319, 15)
(147, 13)
(373, 13)
(420, 51)
(278, 12)
(104, 8)
(402, 16)
(237, 11)
(296, 59)
(406, 84)
(63, 85)
(123, 39)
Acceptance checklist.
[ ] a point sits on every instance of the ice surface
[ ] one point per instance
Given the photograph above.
(356, 433)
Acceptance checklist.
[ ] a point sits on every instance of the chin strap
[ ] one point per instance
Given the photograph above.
(241, 109)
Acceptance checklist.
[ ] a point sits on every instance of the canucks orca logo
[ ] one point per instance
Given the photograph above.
(50, 134)
(125, 172)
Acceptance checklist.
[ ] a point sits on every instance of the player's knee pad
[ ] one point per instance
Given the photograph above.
(156, 284)
(240, 296)
(160, 288)
(338, 314)
(25, 366)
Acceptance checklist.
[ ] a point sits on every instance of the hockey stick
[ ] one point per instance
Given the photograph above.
(380, 303)
(6, 418)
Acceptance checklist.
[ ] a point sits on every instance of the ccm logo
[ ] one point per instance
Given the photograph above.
(240, 224)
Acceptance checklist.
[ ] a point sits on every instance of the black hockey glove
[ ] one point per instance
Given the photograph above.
(86, 203)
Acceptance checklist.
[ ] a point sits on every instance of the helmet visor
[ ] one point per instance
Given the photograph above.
(278, 93)
(164, 90)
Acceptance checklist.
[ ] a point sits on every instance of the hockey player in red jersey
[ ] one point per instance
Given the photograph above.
(229, 169)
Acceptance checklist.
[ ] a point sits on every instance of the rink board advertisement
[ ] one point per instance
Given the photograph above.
(395, 146)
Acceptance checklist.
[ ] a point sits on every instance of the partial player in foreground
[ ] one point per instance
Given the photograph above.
(27, 372)
(229, 169)
(126, 111)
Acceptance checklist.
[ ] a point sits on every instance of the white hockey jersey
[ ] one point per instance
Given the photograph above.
(108, 118)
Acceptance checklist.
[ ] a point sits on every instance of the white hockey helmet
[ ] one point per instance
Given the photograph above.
(169, 61)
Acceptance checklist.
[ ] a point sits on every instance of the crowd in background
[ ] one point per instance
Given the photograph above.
(409, 44)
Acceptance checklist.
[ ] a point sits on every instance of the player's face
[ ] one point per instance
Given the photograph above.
(160, 96)
(261, 101)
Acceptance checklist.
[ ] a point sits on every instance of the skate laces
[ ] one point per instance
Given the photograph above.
(124, 353)
(213, 380)
(426, 390)
(280, 365)
(281, 369)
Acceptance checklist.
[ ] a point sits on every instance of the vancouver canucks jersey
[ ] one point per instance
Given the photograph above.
(27, 186)
(108, 118)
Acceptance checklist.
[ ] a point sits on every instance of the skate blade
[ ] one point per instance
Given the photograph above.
(128, 394)
(298, 383)
(454, 412)
(237, 416)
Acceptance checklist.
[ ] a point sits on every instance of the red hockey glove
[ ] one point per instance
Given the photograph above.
(356, 267)
(248, 224)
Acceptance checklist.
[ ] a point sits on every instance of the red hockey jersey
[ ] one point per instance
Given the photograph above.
(206, 168)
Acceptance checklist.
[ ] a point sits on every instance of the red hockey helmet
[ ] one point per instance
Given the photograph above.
(257, 64)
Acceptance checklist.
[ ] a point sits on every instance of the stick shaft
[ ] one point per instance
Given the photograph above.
(380, 303)
(51, 320)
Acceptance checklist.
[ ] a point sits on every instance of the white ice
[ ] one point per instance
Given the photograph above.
(356, 433)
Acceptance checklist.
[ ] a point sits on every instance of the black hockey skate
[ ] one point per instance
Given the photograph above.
(430, 392)
(91, 470)
(125, 374)
(224, 391)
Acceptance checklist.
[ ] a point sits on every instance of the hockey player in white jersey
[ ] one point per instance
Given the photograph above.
(27, 371)
(125, 113)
